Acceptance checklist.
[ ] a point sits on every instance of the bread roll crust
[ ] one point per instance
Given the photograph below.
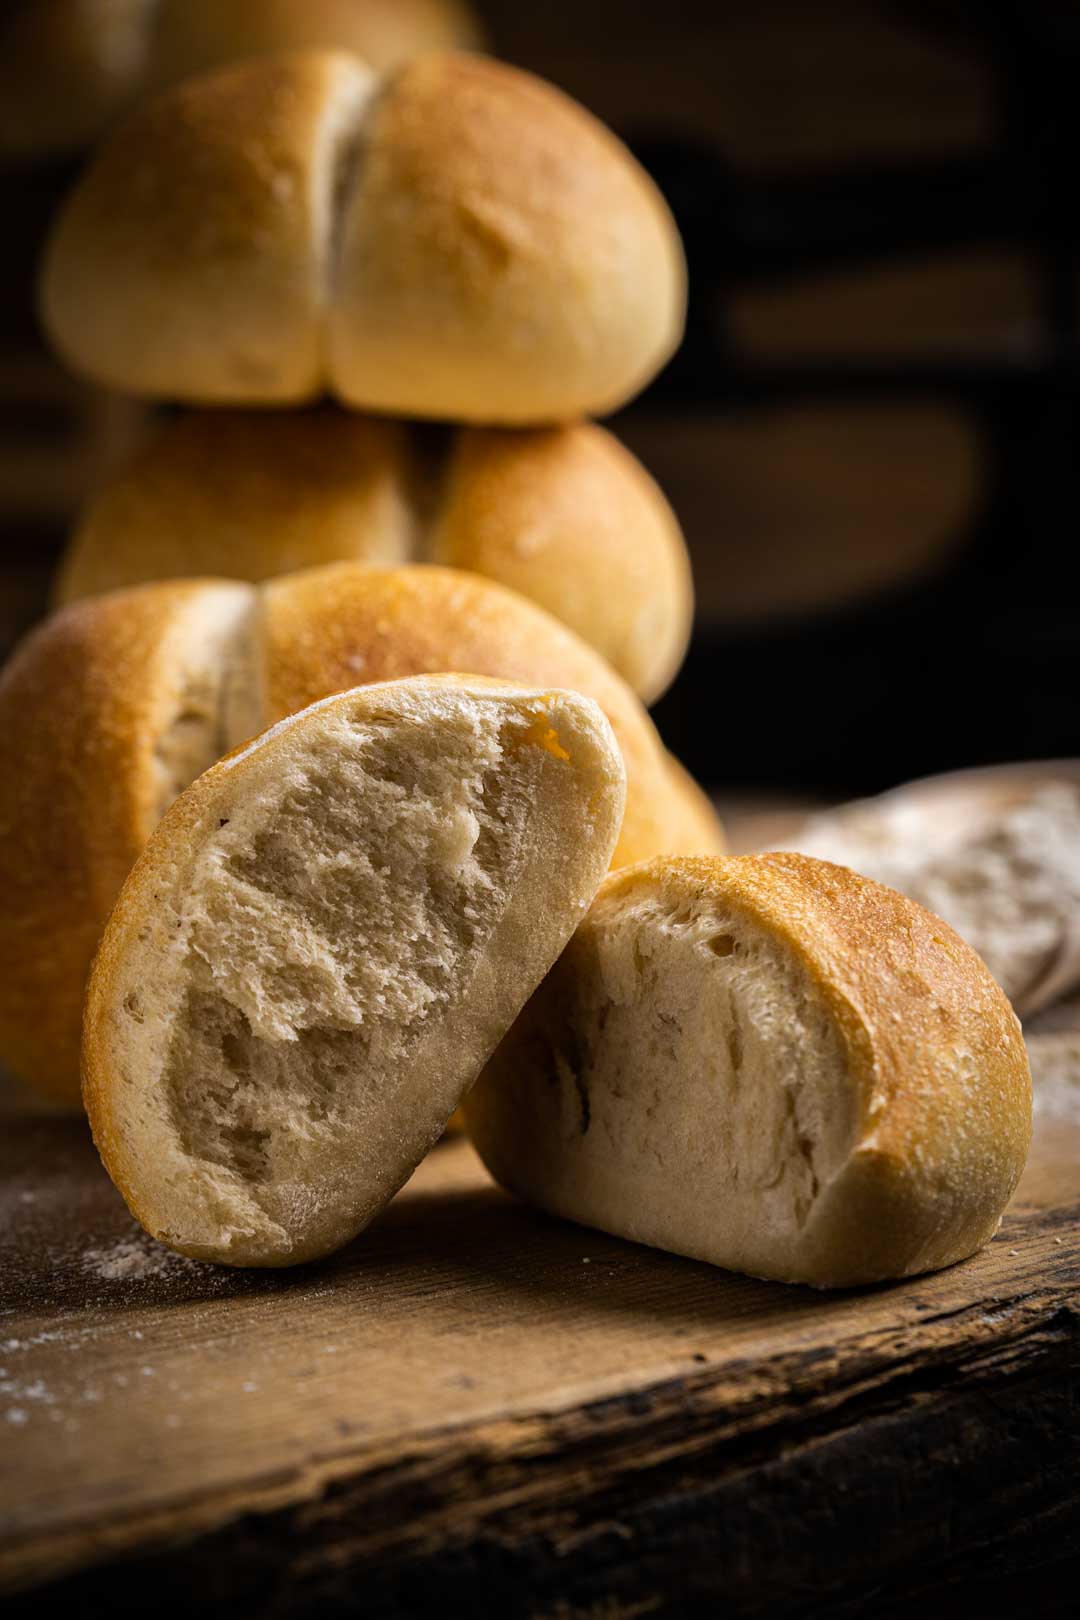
(502, 258)
(191, 261)
(933, 1077)
(302, 1199)
(570, 519)
(466, 244)
(248, 495)
(566, 516)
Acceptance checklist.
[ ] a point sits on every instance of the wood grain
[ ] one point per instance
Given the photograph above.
(474, 1392)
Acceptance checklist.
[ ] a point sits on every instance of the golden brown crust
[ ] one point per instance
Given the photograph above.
(468, 244)
(247, 495)
(566, 516)
(934, 1049)
(503, 259)
(189, 262)
(82, 704)
(330, 628)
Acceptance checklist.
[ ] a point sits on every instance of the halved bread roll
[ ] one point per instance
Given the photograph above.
(116, 704)
(768, 1063)
(458, 242)
(322, 944)
(566, 516)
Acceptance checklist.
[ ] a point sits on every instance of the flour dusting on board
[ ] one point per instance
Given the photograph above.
(45, 1381)
(136, 1259)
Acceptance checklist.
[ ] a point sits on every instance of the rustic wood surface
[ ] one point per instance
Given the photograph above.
(476, 1393)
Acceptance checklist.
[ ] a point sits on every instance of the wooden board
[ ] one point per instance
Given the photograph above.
(474, 1393)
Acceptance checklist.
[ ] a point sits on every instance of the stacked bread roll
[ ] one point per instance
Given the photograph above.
(311, 949)
(458, 242)
(564, 515)
(68, 69)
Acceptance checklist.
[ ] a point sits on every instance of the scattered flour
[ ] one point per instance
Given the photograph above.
(1010, 886)
(136, 1259)
(136, 1263)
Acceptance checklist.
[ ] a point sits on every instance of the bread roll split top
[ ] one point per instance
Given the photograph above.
(322, 944)
(460, 241)
(116, 704)
(566, 516)
(768, 1063)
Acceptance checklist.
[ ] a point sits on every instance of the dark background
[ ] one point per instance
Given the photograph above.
(870, 433)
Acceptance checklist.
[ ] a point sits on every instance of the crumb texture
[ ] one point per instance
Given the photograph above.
(682, 1076)
(213, 649)
(324, 933)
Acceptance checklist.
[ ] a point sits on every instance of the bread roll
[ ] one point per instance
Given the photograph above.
(67, 67)
(770, 1064)
(565, 515)
(322, 944)
(106, 712)
(248, 495)
(116, 704)
(460, 242)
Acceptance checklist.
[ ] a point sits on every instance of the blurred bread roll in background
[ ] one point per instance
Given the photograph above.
(68, 67)
(115, 705)
(460, 241)
(566, 516)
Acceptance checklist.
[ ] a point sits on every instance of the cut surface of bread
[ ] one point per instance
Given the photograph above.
(566, 516)
(327, 628)
(768, 1063)
(117, 703)
(322, 944)
(459, 241)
